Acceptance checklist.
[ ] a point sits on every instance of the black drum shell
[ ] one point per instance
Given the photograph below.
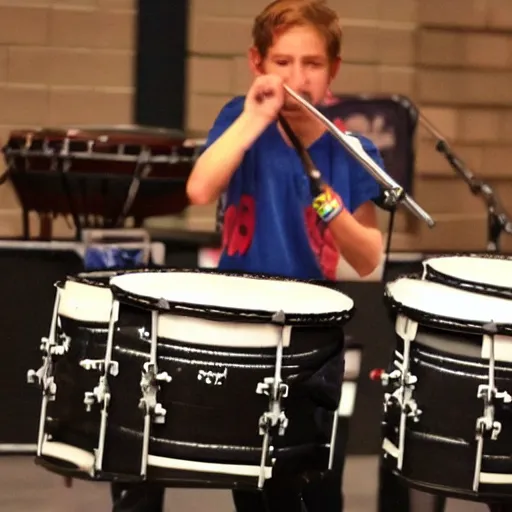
(206, 423)
(440, 448)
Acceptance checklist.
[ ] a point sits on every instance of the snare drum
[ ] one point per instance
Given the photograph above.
(490, 275)
(447, 416)
(91, 171)
(200, 377)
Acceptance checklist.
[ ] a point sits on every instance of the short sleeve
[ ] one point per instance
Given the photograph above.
(363, 186)
(227, 116)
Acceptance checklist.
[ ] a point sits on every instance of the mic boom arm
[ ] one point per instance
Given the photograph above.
(497, 220)
(393, 191)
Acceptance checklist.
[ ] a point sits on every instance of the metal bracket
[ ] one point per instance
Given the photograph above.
(274, 416)
(407, 330)
(149, 387)
(98, 365)
(276, 390)
(43, 376)
(99, 394)
(486, 426)
(153, 410)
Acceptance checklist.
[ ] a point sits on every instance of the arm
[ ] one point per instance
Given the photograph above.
(358, 238)
(215, 167)
(354, 226)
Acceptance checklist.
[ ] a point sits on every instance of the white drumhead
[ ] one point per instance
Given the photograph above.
(487, 271)
(86, 301)
(446, 301)
(242, 293)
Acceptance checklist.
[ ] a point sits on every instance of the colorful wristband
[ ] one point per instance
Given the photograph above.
(327, 205)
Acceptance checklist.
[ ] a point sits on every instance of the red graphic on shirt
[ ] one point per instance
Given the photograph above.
(322, 243)
(239, 223)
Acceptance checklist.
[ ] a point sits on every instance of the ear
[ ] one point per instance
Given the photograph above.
(255, 61)
(335, 67)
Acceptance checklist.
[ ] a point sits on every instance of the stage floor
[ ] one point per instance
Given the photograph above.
(25, 487)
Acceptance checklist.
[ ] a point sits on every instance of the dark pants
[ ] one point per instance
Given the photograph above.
(319, 495)
(323, 495)
(278, 496)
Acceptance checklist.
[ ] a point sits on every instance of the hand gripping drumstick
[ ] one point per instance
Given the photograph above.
(394, 192)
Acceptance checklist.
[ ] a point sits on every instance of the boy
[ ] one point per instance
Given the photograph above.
(272, 223)
(249, 159)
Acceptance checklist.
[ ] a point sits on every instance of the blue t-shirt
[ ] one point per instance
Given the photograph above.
(269, 225)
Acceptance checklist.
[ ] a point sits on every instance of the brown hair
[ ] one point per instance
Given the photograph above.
(281, 15)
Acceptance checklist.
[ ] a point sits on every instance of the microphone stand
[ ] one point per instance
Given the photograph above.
(394, 194)
(497, 219)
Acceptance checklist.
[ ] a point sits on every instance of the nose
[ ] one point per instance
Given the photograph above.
(297, 78)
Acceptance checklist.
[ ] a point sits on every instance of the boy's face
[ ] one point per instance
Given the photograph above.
(299, 56)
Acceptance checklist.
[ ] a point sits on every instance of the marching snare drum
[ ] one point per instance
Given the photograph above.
(490, 275)
(447, 422)
(203, 377)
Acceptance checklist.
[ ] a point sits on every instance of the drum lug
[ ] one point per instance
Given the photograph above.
(98, 395)
(41, 378)
(265, 387)
(271, 419)
(50, 347)
(149, 387)
(487, 424)
(484, 391)
(408, 405)
(275, 416)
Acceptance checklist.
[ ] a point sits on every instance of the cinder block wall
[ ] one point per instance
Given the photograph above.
(464, 72)
(67, 62)
(453, 58)
(71, 62)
